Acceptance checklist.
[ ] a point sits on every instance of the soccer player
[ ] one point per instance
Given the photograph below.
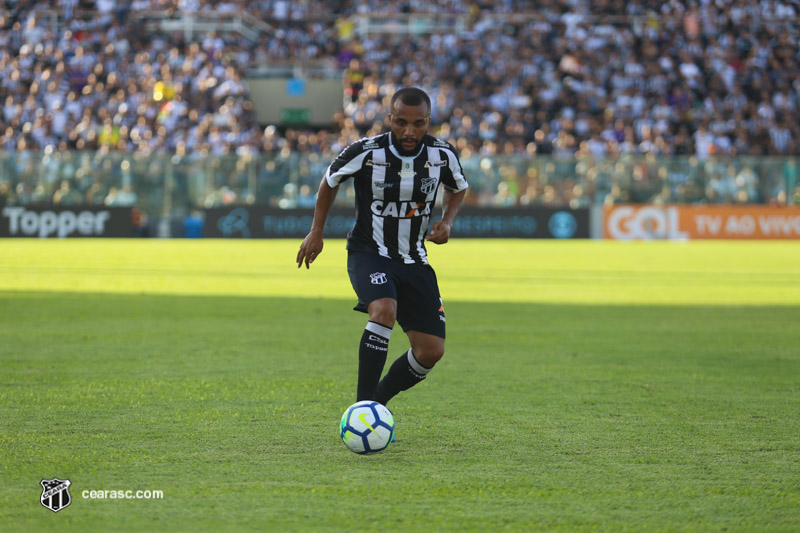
(396, 177)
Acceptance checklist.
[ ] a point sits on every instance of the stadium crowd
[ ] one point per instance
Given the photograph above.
(570, 81)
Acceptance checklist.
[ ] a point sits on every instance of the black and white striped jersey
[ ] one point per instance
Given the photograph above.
(395, 194)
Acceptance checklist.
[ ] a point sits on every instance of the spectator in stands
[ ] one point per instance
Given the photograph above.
(679, 78)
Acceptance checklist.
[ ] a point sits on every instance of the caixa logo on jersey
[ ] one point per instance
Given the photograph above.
(382, 208)
(55, 494)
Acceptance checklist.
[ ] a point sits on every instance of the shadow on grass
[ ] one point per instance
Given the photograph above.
(579, 415)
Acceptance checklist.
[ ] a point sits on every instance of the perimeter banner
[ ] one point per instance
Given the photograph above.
(684, 222)
(60, 222)
(264, 222)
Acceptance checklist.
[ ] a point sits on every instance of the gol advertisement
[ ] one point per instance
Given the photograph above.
(683, 222)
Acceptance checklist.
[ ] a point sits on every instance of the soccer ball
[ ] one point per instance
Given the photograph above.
(367, 427)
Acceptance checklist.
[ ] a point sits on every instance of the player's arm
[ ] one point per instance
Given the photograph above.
(312, 244)
(344, 167)
(440, 230)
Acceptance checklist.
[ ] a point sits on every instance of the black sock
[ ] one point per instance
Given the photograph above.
(404, 373)
(371, 357)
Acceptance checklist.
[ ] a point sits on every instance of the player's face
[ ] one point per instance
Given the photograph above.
(409, 125)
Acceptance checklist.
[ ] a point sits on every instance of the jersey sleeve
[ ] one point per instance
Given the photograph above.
(346, 164)
(454, 180)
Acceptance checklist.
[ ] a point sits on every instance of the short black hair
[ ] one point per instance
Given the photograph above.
(411, 96)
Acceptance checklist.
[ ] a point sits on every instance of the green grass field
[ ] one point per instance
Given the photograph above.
(586, 386)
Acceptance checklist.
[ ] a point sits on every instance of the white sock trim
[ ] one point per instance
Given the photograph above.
(377, 329)
(418, 368)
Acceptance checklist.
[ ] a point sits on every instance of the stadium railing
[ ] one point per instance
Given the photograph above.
(166, 185)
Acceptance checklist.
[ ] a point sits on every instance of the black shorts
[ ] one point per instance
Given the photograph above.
(413, 286)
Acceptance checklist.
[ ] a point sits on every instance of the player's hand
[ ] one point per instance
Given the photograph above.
(309, 249)
(440, 233)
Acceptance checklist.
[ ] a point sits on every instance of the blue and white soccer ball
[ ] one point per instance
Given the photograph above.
(367, 427)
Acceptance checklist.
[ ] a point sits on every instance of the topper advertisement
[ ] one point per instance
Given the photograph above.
(61, 222)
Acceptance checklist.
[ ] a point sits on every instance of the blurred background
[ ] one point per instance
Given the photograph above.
(175, 107)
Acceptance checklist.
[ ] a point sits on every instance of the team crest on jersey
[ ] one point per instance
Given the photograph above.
(378, 278)
(428, 185)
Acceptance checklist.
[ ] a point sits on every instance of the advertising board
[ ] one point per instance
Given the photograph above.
(61, 222)
(265, 222)
(684, 222)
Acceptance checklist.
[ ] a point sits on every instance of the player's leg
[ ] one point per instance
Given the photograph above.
(374, 346)
(376, 296)
(428, 349)
(421, 314)
(383, 311)
(412, 367)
